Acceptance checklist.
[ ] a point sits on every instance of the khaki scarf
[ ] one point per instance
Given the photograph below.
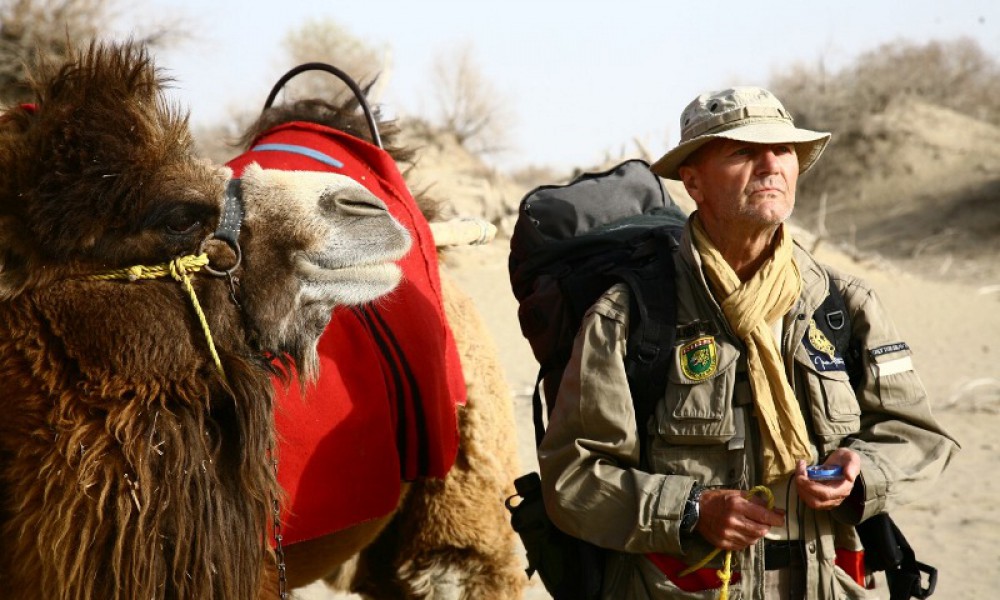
(749, 307)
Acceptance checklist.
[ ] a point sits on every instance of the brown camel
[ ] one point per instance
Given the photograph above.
(133, 463)
(449, 537)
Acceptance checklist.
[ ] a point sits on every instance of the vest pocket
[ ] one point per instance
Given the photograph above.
(699, 411)
(834, 407)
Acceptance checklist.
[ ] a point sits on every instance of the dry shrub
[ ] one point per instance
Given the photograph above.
(325, 40)
(468, 105)
(956, 74)
(44, 31)
(913, 170)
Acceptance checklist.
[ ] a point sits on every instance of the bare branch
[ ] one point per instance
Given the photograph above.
(467, 105)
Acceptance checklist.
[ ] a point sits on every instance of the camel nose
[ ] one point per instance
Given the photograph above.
(352, 203)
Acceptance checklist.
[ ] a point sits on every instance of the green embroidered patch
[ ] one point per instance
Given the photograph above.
(699, 359)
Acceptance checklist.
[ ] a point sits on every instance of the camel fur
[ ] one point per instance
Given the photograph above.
(131, 465)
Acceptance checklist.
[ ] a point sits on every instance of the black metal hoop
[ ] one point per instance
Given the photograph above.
(355, 88)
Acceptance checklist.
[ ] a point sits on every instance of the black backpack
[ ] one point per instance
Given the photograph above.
(570, 244)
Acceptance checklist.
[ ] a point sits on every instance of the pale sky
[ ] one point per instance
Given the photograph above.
(582, 77)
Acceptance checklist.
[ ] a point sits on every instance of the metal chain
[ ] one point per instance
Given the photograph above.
(279, 551)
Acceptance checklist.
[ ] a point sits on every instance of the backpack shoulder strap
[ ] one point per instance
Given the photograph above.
(652, 327)
(652, 321)
(537, 410)
(834, 319)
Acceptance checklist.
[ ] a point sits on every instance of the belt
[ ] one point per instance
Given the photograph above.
(779, 554)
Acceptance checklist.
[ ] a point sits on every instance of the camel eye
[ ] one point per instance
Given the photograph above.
(179, 219)
(182, 225)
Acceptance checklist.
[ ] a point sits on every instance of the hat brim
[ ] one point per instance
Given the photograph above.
(809, 145)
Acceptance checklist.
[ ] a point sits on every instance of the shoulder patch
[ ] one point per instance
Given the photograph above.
(888, 349)
(891, 359)
(699, 359)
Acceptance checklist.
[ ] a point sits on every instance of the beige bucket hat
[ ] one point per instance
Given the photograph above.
(746, 114)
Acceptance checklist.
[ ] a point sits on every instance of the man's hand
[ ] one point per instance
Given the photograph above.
(731, 522)
(828, 495)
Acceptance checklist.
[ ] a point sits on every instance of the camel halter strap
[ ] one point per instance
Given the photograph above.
(228, 229)
(178, 268)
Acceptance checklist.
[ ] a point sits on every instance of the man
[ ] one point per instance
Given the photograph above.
(756, 392)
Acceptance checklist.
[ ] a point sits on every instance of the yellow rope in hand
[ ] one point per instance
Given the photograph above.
(178, 268)
(726, 573)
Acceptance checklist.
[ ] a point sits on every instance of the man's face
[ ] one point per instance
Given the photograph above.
(742, 185)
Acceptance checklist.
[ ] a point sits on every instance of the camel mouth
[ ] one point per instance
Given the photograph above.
(348, 285)
(378, 273)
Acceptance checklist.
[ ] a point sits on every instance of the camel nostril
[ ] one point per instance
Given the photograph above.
(354, 203)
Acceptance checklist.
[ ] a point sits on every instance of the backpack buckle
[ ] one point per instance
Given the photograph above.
(836, 319)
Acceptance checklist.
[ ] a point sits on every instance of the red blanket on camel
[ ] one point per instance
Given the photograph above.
(384, 408)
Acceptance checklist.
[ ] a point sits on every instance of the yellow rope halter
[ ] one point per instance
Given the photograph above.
(726, 573)
(178, 268)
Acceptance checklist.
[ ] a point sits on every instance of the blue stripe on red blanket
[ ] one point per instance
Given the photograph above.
(303, 150)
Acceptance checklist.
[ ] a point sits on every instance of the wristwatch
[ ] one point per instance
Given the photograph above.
(692, 510)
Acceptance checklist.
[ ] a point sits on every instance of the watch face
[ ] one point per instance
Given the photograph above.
(692, 509)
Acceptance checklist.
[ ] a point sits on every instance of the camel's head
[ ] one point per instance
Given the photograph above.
(326, 237)
(99, 175)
